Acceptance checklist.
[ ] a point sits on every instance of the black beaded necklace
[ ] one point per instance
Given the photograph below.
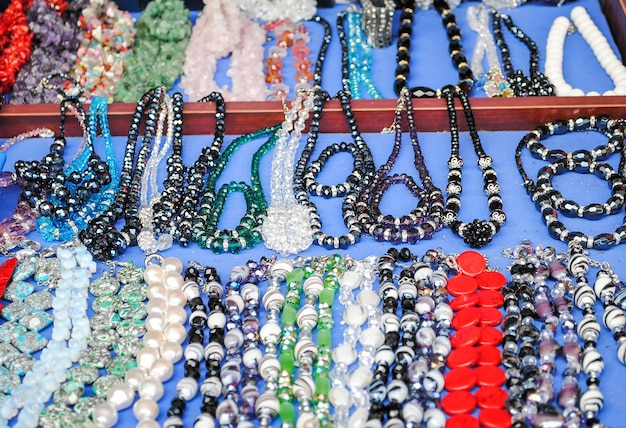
(45, 186)
(187, 198)
(101, 236)
(424, 220)
(478, 232)
(548, 200)
(536, 83)
(455, 48)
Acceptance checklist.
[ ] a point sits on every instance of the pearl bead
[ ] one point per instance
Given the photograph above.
(173, 281)
(134, 377)
(158, 305)
(146, 409)
(151, 388)
(155, 321)
(153, 339)
(146, 357)
(156, 290)
(175, 332)
(176, 298)
(176, 314)
(171, 351)
(147, 423)
(105, 415)
(162, 369)
(172, 264)
(153, 274)
(121, 396)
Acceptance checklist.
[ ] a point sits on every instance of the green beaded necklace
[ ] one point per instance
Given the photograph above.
(247, 233)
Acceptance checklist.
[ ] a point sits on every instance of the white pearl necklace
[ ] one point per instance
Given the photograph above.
(598, 44)
(69, 339)
(162, 348)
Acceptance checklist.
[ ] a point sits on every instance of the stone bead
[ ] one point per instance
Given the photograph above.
(350, 279)
(368, 298)
(344, 354)
(372, 337)
(354, 315)
(359, 418)
(360, 377)
(340, 396)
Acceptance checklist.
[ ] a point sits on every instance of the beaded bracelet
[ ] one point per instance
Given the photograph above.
(583, 159)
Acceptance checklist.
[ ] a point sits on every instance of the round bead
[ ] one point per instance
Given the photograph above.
(175, 332)
(494, 418)
(465, 318)
(121, 396)
(151, 389)
(490, 316)
(491, 397)
(162, 369)
(489, 355)
(173, 352)
(172, 264)
(186, 388)
(491, 280)
(147, 423)
(490, 336)
(175, 315)
(464, 301)
(467, 336)
(146, 358)
(460, 379)
(461, 285)
(434, 418)
(490, 299)
(458, 402)
(462, 357)
(155, 321)
(471, 263)
(490, 376)
(105, 415)
(134, 377)
(462, 420)
(153, 339)
(145, 409)
(173, 280)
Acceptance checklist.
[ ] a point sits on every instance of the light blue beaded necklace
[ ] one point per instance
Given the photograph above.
(54, 229)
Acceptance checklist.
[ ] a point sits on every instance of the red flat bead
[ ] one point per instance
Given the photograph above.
(490, 336)
(488, 355)
(461, 285)
(458, 402)
(490, 299)
(467, 336)
(466, 317)
(491, 397)
(463, 357)
(488, 316)
(494, 418)
(471, 263)
(490, 376)
(491, 280)
(460, 379)
(462, 421)
(464, 301)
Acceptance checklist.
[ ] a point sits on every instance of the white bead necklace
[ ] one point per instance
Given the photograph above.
(598, 44)
(69, 339)
(350, 386)
(162, 348)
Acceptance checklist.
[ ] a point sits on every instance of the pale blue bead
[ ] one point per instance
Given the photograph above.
(27, 418)
(64, 253)
(68, 263)
(8, 410)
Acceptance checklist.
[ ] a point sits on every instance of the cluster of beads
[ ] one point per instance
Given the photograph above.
(15, 39)
(69, 339)
(292, 35)
(108, 35)
(162, 35)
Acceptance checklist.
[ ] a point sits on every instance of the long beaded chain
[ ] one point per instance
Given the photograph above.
(247, 233)
(117, 325)
(424, 220)
(59, 196)
(287, 225)
(211, 387)
(356, 54)
(493, 81)
(267, 405)
(69, 338)
(455, 48)
(55, 229)
(547, 200)
(146, 239)
(187, 387)
(598, 43)
(189, 194)
(479, 232)
(101, 235)
(349, 386)
(533, 84)
(16, 40)
(161, 347)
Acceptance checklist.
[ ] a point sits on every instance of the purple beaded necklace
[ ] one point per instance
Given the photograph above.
(426, 218)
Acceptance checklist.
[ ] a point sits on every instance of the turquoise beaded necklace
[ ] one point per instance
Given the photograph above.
(246, 234)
